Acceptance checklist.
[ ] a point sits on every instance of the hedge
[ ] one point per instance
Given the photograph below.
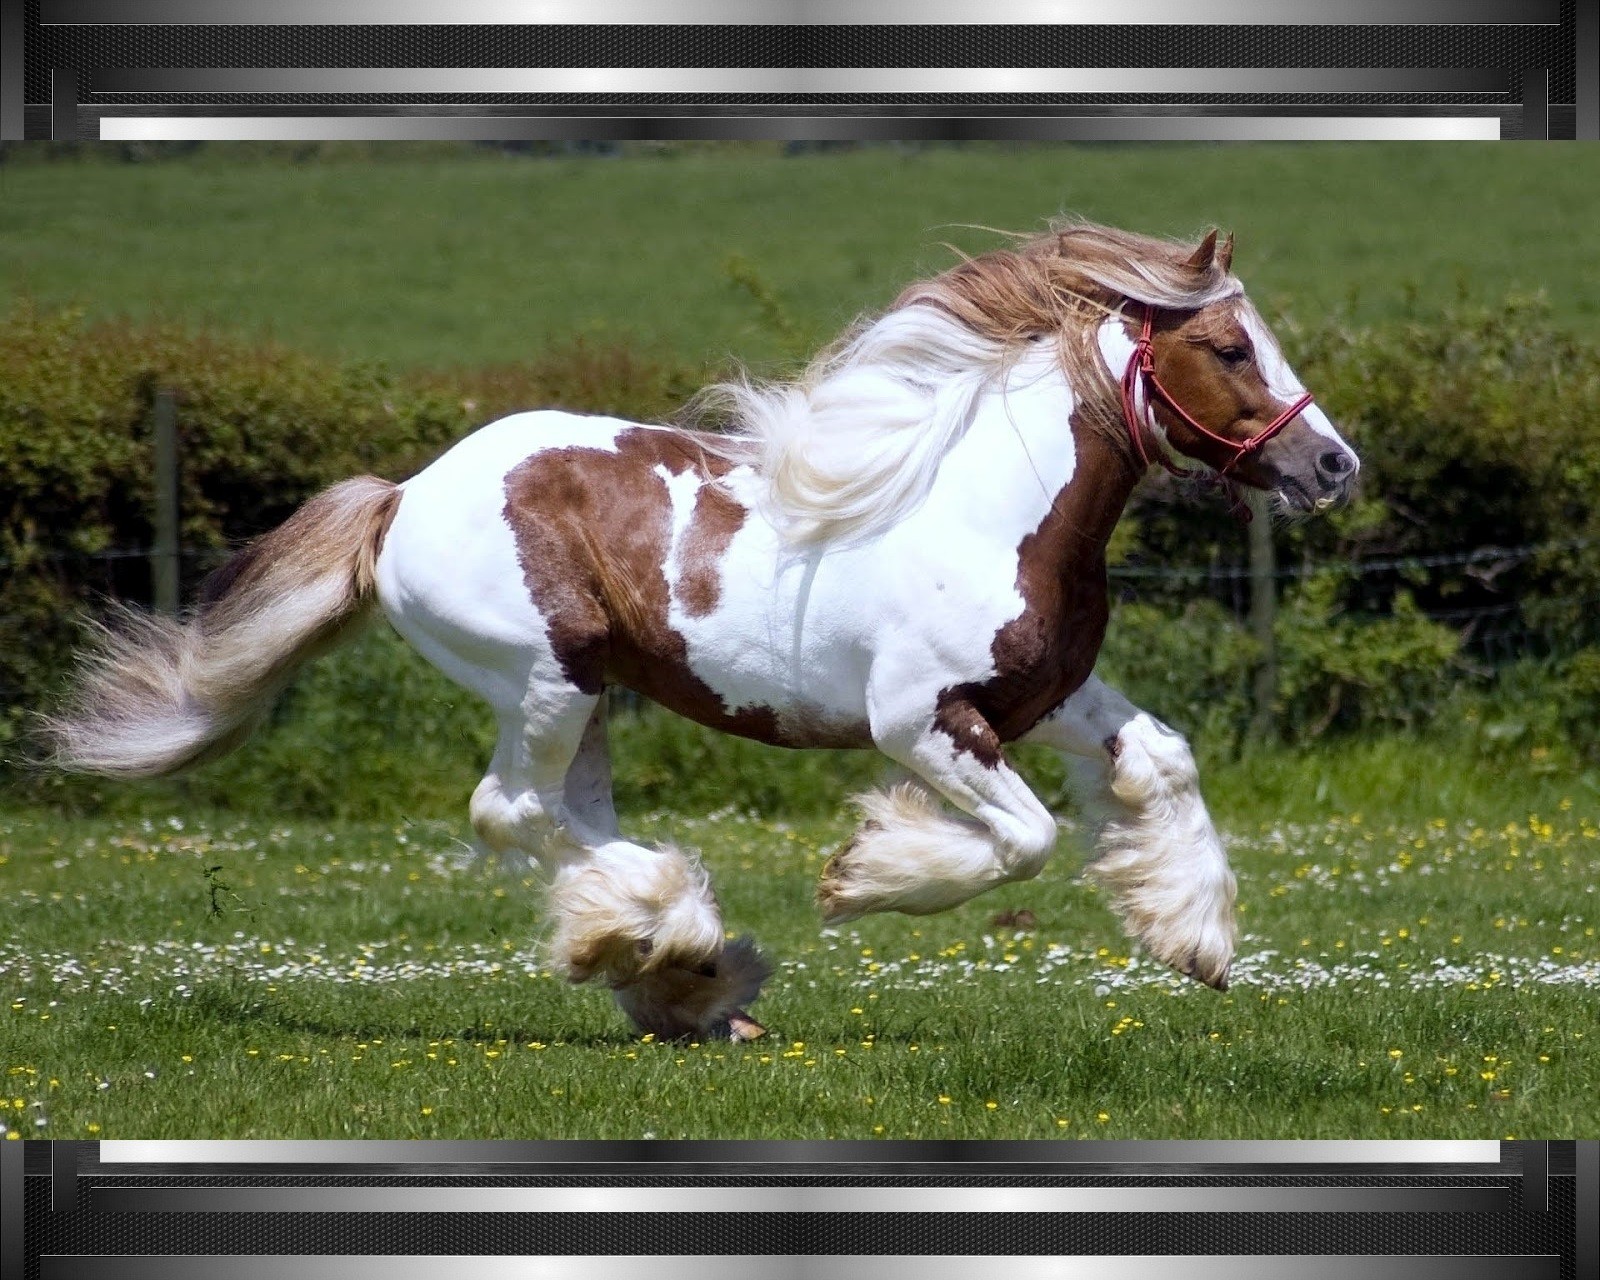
(261, 428)
(1478, 426)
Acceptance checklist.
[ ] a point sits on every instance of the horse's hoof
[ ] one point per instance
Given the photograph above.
(1215, 977)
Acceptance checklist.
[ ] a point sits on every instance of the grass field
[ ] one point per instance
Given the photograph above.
(1423, 966)
(470, 257)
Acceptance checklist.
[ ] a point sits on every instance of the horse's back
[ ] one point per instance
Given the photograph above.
(590, 552)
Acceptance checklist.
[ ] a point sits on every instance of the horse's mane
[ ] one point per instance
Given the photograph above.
(854, 444)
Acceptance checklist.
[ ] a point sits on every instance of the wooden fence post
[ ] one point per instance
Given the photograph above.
(1263, 617)
(164, 551)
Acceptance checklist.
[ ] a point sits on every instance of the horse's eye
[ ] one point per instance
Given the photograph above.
(1234, 356)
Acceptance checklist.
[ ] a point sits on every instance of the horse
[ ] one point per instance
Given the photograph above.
(903, 549)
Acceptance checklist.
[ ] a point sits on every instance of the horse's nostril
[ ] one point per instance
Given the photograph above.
(1336, 462)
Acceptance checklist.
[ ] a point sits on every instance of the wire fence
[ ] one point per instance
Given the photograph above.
(1486, 594)
(1393, 564)
(1500, 630)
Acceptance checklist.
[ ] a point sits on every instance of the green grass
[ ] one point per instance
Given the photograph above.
(1409, 969)
(445, 257)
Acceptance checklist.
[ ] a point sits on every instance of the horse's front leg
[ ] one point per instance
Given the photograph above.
(1155, 849)
(909, 854)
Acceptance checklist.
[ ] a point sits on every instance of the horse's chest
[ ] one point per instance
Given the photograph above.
(1043, 655)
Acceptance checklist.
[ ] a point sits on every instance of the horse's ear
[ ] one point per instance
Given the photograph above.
(1225, 254)
(1201, 258)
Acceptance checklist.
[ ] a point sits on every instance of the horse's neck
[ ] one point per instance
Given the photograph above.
(1033, 463)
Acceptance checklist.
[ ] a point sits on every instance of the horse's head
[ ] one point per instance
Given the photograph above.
(1212, 386)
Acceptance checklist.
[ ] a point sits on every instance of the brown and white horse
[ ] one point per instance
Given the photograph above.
(905, 549)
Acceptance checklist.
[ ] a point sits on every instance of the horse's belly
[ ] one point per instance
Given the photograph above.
(779, 672)
(790, 695)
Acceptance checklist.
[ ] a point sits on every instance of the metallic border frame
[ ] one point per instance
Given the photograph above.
(677, 1200)
(1201, 1160)
(802, 80)
(13, 69)
(791, 1267)
(12, 1222)
(743, 1153)
(114, 125)
(70, 119)
(815, 12)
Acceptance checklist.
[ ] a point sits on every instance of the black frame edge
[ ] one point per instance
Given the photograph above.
(1535, 1159)
(11, 1216)
(63, 104)
(13, 71)
(1536, 104)
(1586, 1248)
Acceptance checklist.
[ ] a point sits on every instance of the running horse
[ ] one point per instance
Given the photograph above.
(903, 549)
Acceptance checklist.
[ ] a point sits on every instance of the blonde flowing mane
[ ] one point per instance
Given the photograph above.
(854, 444)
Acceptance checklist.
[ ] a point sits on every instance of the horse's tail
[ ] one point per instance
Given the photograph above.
(155, 694)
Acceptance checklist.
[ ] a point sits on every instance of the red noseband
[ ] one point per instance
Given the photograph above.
(1141, 365)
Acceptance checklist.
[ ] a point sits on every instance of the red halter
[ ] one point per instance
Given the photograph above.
(1142, 365)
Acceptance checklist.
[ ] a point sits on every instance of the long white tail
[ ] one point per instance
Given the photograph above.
(154, 694)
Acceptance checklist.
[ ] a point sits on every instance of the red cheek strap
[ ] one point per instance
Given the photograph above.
(1141, 367)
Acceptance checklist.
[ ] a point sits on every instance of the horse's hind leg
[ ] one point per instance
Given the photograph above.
(683, 980)
(644, 920)
(1155, 848)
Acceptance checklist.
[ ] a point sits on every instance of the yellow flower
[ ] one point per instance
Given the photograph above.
(1395, 1053)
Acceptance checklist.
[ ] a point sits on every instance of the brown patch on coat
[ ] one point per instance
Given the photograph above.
(955, 715)
(717, 517)
(593, 530)
(1044, 655)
